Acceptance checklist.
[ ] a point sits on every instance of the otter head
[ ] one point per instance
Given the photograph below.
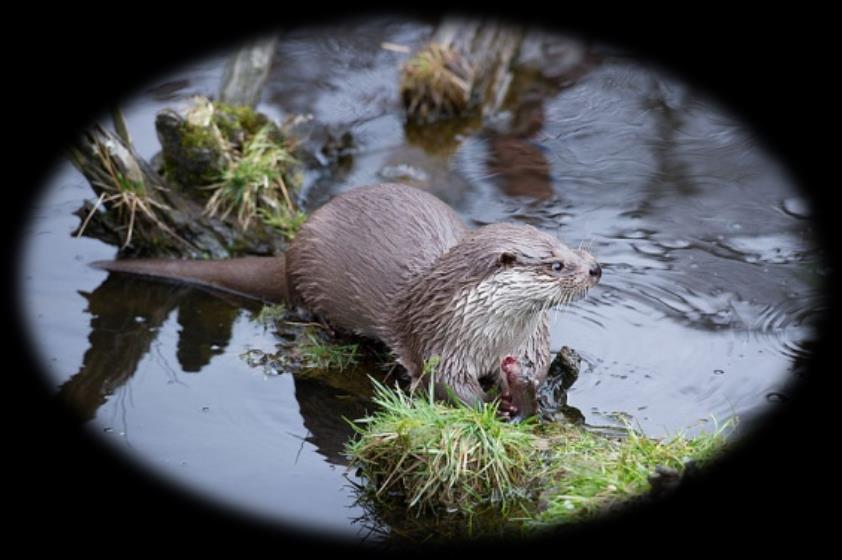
(486, 298)
(538, 271)
(519, 395)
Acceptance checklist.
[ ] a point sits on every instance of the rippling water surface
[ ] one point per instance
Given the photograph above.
(706, 306)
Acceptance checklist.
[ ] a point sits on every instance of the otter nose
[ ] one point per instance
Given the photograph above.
(596, 271)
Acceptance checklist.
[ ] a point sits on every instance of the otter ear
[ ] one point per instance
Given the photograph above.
(506, 259)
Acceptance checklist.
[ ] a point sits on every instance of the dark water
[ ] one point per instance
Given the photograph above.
(710, 286)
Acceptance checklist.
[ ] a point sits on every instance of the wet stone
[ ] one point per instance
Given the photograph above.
(562, 374)
(274, 368)
(664, 480)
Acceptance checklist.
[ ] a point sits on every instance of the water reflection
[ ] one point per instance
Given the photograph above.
(326, 411)
(206, 324)
(127, 314)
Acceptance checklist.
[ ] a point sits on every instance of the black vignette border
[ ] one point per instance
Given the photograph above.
(771, 69)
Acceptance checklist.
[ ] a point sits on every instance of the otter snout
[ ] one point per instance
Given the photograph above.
(590, 268)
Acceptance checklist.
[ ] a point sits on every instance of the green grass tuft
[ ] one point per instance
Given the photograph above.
(321, 355)
(591, 473)
(437, 458)
(254, 180)
(287, 221)
(436, 82)
(271, 313)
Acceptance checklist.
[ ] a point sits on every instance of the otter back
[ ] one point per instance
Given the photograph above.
(356, 253)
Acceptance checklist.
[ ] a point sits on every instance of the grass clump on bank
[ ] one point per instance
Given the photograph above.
(436, 82)
(240, 156)
(589, 473)
(254, 180)
(439, 459)
(113, 170)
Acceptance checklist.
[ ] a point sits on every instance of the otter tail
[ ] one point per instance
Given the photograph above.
(261, 278)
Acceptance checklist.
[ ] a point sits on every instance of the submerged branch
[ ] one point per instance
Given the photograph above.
(246, 72)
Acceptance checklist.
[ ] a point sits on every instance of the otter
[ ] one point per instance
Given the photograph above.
(397, 264)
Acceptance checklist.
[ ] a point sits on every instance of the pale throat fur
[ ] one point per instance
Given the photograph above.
(503, 314)
(497, 305)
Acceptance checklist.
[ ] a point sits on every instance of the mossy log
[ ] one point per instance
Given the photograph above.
(143, 213)
(132, 209)
(221, 187)
(464, 69)
(225, 184)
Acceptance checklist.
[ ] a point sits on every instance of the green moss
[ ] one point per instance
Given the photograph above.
(194, 151)
(239, 117)
(199, 137)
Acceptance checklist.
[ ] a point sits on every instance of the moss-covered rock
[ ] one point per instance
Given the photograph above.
(193, 149)
(236, 123)
(241, 159)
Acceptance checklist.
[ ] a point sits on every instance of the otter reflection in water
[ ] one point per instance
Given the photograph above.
(127, 314)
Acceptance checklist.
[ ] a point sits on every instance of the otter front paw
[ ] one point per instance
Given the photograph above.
(507, 410)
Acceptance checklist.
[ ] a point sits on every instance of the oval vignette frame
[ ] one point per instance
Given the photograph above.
(81, 484)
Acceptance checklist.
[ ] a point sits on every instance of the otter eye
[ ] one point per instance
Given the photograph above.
(557, 266)
(506, 259)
